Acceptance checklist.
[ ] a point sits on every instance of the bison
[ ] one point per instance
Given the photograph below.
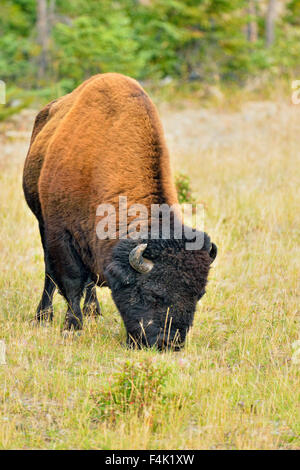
(102, 141)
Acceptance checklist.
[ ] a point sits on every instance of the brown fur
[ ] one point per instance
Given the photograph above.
(102, 140)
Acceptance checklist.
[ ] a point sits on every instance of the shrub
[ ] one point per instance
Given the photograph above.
(184, 190)
(134, 386)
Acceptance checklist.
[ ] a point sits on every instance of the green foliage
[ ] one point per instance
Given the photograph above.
(203, 40)
(184, 190)
(293, 9)
(95, 44)
(17, 48)
(134, 386)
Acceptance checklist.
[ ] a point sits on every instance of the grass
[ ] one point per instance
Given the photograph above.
(235, 385)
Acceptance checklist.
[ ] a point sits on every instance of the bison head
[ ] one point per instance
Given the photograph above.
(156, 285)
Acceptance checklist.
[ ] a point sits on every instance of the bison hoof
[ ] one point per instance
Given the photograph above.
(72, 323)
(92, 310)
(44, 316)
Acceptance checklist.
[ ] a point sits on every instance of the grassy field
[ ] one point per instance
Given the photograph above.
(236, 385)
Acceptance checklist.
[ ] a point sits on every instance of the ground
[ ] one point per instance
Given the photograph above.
(236, 383)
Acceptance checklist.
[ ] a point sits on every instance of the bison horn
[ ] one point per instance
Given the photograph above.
(136, 260)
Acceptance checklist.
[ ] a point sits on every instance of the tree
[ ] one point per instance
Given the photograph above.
(252, 25)
(42, 37)
(270, 23)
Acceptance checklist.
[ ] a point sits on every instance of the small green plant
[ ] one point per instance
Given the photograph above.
(184, 190)
(134, 386)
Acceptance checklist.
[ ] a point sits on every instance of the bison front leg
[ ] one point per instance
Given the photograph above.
(74, 319)
(91, 305)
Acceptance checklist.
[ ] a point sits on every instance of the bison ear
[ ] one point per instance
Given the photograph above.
(117, 276)
(213, 252)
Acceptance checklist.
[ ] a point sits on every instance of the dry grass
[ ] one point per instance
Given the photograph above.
(235, 385)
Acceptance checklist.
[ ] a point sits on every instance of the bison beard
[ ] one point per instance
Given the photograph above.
(103, 140)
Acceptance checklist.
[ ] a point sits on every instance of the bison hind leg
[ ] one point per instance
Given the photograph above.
(70, 274)
(45, 308)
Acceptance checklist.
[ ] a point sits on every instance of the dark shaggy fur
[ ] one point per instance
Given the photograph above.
(158, 307)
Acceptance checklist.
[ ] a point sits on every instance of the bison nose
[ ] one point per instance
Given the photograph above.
(159, 340)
